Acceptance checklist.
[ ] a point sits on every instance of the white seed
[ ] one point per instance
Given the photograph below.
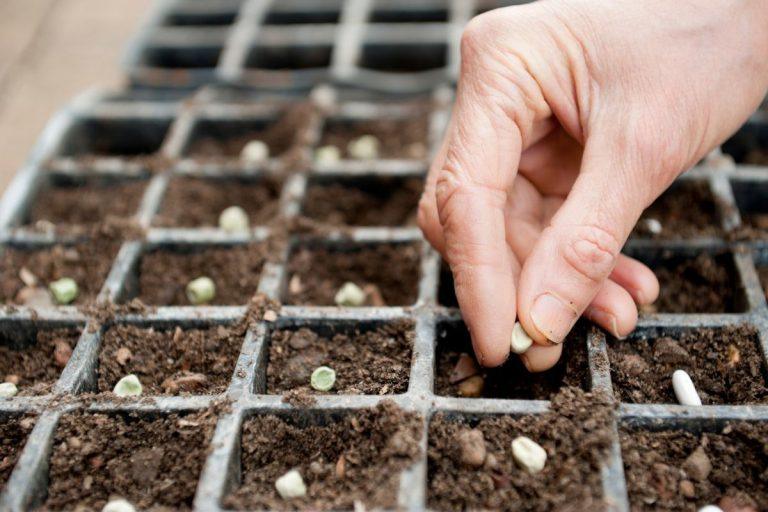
(350, 295)
(528, 454)
(291, 485)
(255, 152)
(201, 290)
(8, 390)
(327, 155)
(365, 147)
(324, 96)
(653, 226)
(323, 378)
(118, 505)
(64, 290)
(685, 391)
(520, 339)
(128, 386)
(234, 220)
(710, 508)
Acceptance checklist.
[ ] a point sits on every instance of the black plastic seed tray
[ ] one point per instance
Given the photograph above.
(131, 137)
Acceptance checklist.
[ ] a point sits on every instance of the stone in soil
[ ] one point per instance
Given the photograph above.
(235, 270)
(687, 210)
(725, 365)
(511, 380)
(34, 364)
(390, 270)
(197, 202)
(398, 138)
(151, 461)
(373, 361)
(383, 202)
(358, 457)
(170, 361)
(576, 434)
(661, 476)
(13, 434)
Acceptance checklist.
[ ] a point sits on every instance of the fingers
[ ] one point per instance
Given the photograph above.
(637, 279)
(613, 309)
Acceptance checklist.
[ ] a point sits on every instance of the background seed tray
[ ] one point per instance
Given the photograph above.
(140, 138)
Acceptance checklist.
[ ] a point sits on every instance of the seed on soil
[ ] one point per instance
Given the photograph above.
(327, 155)
(234, 220)
(653, 226)
(201, 290)
(27, 277)
(291, 485)
(685, 391)
(365, 147)
(8, 390)
(255, 152)
(472, 451)
(520, 341)
(528, 454)
(697, 465)
(128, 386)
(118, 505)
(710, 508)
(465, 367)
(64, 290)
(323, 378)
(472, 387)
(350, 295)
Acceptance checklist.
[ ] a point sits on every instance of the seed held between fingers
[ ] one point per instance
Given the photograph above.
(201, 290)
(128, 386)
(520, 341)
(291, 485)
(528, 454)
(64, 290)
(684, 389)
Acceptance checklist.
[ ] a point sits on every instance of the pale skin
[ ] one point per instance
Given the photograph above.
(571, 117)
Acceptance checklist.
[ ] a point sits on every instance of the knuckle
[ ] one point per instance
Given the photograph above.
(473, 36)
(592, 252)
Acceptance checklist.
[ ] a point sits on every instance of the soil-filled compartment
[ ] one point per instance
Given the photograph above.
(749, 145)
(114, 137)
(753, 210)
(687, 209)
(398, 138)
(14, 429)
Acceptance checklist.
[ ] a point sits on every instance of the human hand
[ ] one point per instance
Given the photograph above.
(571, 117)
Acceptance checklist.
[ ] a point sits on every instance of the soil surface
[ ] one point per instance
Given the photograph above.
(762, 272)
(725, 365)
(756, 156)
(398, 138)
(87, 263)
(170, 362)
(512, 380)
(754, 224)
(35, 367)
(195, 202)
(659, 477)
(576, 434)
(13, 435)
(149, 461)
(375, 361)
(164, 274)
(389, 273)
(384, 202)
(685, 211)
(87, 204)
(356, 458)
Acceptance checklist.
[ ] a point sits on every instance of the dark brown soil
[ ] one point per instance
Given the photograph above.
(654, 463)
(385, 202)
(367, 361)
(356, 458)
(398, 138)
(195, 202)
(170, 362)
(35, 367)
(725, 365)
(164, 274)
(576, 434)
(510, 380)
(756, 156)
(686, 210)
(762, 272)
(446, 291)
(319, 271)
(755, 224)
(87, 203)
(149, 461)
(87, 263)
(13, 435)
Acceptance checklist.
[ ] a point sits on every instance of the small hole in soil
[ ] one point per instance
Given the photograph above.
(398, 138)
(343, 458)
(195, 202)
(387, 273)
(182, 57)
(660, 478)
(408, 15)
(114, 137)
(750, 144)
(404, 58)
(201, 19)
(725, 364)
(686, 210)
(750, 198)
(289, 57)
(372, 359)
(14, 430)
(150, 460)
(364, 202)
(307, 17)
(163, 274)
(511, 380)
(446, 291)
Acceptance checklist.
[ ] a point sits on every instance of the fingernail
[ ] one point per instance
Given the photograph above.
(553, 317)
(604, 318)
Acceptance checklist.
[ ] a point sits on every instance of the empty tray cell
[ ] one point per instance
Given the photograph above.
(14, 430)
(164, 273)
(76, 203)
(312, 13)
(687, 209)
(114, 137)
(386, 11)
(32, 356)
(377, 201)
(725, 364)
(170, 360)
(372, 359)
(750, 198)
(27, 271)
(397, 137)
(287, 57)
(388, 274)
(446, 291)
(404, 57)
(153, 461)
(669, 468)
(197, 202)
(343, 458)
(182, 57)
(459, 374)
(750, 144)
(203, 18)
(471, 466)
